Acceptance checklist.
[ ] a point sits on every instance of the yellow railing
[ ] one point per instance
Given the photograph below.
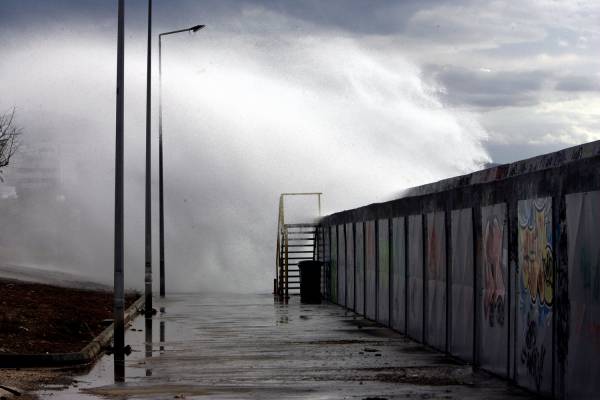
(280, 283)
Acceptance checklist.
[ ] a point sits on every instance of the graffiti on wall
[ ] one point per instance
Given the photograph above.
(535, 288)
(535, 244)
(533, 353)
(494, 276)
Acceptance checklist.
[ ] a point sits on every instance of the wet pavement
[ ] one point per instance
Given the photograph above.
(250, 347)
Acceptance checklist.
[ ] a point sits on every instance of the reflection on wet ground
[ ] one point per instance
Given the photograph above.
(250, 347)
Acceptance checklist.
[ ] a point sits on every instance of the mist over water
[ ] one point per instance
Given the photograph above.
(245, 118)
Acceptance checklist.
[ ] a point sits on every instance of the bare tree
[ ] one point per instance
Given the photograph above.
(9, 138)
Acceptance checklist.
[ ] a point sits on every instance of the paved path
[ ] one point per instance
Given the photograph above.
(249, 347)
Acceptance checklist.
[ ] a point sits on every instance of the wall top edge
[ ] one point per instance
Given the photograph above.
(502, 171)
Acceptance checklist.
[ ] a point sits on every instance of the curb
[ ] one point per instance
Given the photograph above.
(88, 354)
(7, 392)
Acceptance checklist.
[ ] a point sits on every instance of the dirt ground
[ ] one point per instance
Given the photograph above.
(37, 318)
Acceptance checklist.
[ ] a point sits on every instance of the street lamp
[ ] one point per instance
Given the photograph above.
(148, 215)
(119, 337)
(161, 204)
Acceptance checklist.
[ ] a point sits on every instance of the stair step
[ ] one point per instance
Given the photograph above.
(301, 225)
(296, 236)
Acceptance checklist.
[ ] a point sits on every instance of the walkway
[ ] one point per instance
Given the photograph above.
(248, 347)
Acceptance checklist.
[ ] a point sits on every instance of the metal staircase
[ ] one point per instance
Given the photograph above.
(295, 242)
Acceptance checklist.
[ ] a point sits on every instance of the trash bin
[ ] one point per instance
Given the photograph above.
(310, 281)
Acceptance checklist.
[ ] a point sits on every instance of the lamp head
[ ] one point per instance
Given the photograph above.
(196, 28)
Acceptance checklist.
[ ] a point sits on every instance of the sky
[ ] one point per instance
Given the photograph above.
(357, 99)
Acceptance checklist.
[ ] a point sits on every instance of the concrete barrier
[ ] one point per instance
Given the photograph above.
(500, 268)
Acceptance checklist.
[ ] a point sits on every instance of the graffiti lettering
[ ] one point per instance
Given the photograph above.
(532, 356)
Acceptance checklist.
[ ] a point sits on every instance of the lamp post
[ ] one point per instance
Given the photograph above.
(161, 204)
(148, 216)
(119, 338)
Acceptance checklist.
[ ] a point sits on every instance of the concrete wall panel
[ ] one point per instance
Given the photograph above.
(398, 268)
(326, 276)
(350, 270)
(493, 274)
(383, 272)
(461, 278)
(436, 280)
(359, 293)
(523, 268)
(583, 318)
(334, 265)
(341, 265)
(415, 277)
(370, 271)
(535, 295)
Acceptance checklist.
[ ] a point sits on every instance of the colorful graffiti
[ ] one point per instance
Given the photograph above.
(494, 279)
(535, 243)
(535, 289)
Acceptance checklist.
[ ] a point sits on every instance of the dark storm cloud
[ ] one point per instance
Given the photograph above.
(578, 84)
(484, 88)
(356, 16)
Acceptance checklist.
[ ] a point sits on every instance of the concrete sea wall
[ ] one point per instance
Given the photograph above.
(500, 268)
